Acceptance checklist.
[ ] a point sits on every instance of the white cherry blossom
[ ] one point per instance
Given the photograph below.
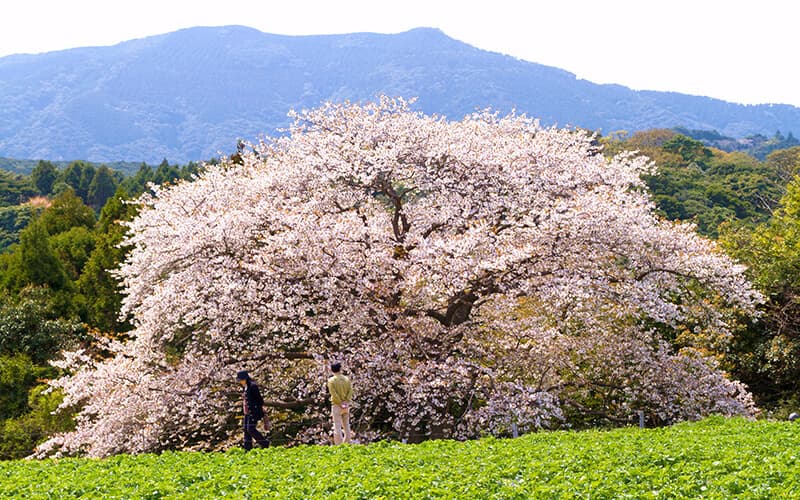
(470, 274)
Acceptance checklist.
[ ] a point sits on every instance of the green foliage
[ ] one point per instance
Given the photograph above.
(116, 210)
(17, 166)
(33, 261)
(96, 283)
(705, 186)
(66, 211)
(692, 152)
(44, 176)
(33, 326)
(26, 167)
(56, 267)
(763, 146)
(716, 458)
(51, 253)
(26, 409)
(76, 188)
(72, 248)
(14, 219)
(137, 183)
(165, 173)
(17, 375)
(785, 162)
(19, 436)
(78, 176)
(758, 146)
(73, 255)
(767, 355)
(14, 188)
(101, 188)
(53, 249)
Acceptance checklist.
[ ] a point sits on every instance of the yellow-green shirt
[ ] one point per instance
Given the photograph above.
(340, 388)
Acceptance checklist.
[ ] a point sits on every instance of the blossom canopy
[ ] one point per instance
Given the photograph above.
(471, 275)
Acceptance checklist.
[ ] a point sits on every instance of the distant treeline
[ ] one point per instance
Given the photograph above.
(758, 146)
(25, 167)
(23, 195)
(707, 185)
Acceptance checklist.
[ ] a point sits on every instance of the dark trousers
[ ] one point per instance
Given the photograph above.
(251, 433)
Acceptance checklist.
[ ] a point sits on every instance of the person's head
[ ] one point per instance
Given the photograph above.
(336, 367)
(242, 377)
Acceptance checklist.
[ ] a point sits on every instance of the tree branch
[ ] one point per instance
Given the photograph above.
(290, 405)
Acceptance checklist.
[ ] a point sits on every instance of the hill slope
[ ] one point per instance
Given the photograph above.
(190, 94)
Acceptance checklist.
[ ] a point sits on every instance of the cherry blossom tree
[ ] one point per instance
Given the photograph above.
(470, 275)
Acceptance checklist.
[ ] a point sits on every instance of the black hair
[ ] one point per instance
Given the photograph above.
(336, 367)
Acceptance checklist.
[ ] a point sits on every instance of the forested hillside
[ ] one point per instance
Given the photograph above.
(191, 94)
(60, 229)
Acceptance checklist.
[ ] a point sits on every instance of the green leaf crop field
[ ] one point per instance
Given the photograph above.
(715, 458)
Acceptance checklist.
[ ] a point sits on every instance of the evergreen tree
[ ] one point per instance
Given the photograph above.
(136, 184)
(65, 212)
(78, 175)
(44, 175)
(73, 248)
(166, 173)
(98, 286)
(38, 265)
(102, 187)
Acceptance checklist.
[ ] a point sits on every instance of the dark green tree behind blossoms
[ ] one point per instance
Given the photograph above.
(35, 262)
(704, 185)
(56, 284)
(32, 331)
(97, 283)
(767, 355)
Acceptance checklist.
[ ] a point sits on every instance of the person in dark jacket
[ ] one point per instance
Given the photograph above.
(253, 405)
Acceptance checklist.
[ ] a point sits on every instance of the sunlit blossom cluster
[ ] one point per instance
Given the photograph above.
(471, 275)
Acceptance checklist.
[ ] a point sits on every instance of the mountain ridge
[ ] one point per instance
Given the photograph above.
(191, 94)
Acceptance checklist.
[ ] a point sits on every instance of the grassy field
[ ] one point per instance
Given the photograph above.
(715, 458)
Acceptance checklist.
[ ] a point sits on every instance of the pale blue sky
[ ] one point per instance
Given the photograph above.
(737, 50)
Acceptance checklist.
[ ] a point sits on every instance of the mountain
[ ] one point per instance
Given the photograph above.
(191, 94)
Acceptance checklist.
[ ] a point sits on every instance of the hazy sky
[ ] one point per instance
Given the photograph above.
(738, 50)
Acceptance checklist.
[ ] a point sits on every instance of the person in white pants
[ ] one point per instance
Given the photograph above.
(341, 391)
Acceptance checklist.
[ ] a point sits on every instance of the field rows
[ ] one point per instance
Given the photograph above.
(716, 458)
